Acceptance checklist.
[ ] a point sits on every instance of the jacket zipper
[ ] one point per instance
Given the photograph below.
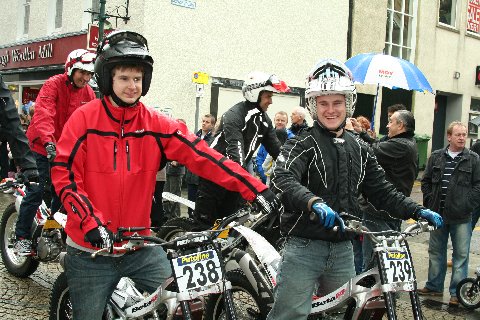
(115, 155)
(128, 156)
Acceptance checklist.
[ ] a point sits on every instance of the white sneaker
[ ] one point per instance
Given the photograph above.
(9, 191)
(23, 247)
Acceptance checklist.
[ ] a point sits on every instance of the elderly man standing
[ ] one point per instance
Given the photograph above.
(450, 186)
(298, 120)
(398, 156)
(280, 121)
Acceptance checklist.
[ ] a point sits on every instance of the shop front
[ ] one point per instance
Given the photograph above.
(26, 66)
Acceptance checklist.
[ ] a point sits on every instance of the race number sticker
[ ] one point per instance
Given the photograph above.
(398, 266)
(197, 270)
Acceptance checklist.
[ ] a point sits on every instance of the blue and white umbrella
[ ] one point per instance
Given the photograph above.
(387, 71)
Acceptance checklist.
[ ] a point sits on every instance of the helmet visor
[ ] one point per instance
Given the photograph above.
(278, 84)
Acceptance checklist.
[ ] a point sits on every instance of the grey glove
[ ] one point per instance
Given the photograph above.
(51, 151)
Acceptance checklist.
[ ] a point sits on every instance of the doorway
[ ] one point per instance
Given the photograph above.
(439, 119)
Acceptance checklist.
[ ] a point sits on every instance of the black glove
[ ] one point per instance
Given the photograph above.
(51, 151)
(268, 202)
(100, 237)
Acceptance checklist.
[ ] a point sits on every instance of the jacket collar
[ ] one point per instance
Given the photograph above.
(117, 113)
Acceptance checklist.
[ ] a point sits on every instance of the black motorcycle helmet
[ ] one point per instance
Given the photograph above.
(122, 48)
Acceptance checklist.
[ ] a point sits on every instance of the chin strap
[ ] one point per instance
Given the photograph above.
(341, 127)
(122, 103)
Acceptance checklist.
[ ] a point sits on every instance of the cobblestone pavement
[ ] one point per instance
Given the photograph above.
(28, 298)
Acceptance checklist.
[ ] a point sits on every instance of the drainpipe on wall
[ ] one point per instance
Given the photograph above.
(350, 27)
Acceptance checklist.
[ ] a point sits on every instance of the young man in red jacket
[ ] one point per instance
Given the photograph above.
(59, 97)
(107, 160)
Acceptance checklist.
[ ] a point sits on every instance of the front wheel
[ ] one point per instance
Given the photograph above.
(18, 266)
(247, 303)
(468, 293)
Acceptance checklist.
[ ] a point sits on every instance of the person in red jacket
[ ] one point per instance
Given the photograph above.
(59, 97)
(107, 159)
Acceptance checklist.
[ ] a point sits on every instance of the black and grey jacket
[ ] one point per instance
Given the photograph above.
(11, 130)
(316, 166)
(463, 189)
(242, 129)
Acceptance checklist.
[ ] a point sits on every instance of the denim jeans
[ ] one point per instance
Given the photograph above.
(33, 198)
(92, 281)
(375, 224)
(437, 265)
(306, 263)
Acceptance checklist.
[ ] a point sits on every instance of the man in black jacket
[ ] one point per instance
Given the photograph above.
(451, 186)
(242, 129)
(398, 156)
(322, 170)
(12, 132)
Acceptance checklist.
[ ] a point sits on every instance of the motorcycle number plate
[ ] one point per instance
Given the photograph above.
(398, 266)
(197, 270)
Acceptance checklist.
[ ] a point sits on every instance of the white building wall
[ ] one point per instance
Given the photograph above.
(441, 51)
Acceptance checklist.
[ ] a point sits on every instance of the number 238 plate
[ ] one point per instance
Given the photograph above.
(197, 270)
(398, 266)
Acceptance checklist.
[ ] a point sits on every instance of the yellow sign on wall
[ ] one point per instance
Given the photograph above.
(200, 77)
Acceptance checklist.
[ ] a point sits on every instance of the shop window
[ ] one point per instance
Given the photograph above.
(447, 12)
(474, 112)
(400, 29)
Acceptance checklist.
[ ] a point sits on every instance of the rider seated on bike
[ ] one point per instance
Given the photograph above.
(107, 159)
(323, 170)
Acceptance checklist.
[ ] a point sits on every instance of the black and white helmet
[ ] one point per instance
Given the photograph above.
(122, 47)
(329, 77)
(257, 82)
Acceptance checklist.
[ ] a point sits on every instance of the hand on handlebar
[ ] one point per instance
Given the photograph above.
(100, 237)
(432, 217)
(327, 215)
(268, 202)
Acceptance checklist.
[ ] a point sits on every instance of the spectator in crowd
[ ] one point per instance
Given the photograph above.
(58, 98)
(398, 157)
(157, 214)
(280, 121)
(241, 130)
(476, 212)
(108, 157)
(192, 180)
(298, 120)
(11, 132)
(451, 185)
(269, 163)
(322, 171)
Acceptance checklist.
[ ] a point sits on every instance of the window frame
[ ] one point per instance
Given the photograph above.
(389, 45)
(455, 19)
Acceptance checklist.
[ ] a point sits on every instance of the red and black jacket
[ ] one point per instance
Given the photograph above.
(108, 157)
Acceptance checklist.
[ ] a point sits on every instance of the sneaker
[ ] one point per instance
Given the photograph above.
(9, 191)
(453, 302)
(23, 247)
(428, 292)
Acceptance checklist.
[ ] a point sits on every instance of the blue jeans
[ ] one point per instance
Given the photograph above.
(33, 198)
(306, 263)
(437, 250)
(92, 281)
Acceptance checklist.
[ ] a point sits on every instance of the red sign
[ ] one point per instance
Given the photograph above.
(92, 38)
(42, 53)
(477, 76)
(473, 16)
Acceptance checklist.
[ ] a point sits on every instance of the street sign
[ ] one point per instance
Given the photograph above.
(92, 36)
(200, 77)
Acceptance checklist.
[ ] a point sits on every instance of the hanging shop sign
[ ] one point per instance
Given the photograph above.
(41, 53)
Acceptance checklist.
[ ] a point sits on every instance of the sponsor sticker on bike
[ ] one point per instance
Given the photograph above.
(197, 270)
(398, 266)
